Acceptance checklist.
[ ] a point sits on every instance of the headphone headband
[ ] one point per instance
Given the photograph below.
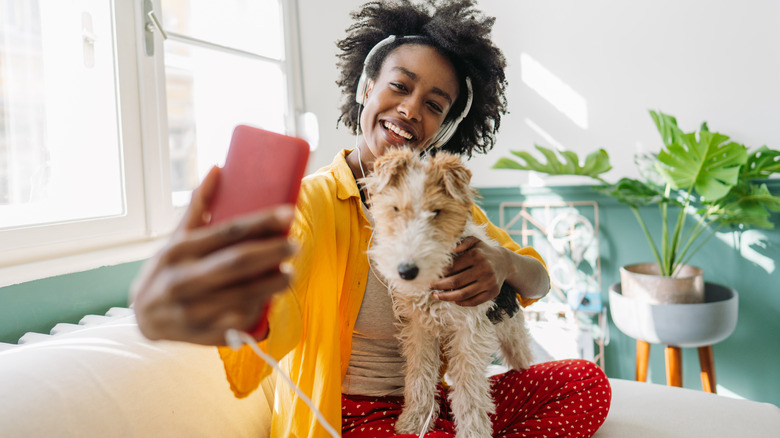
(447, 129)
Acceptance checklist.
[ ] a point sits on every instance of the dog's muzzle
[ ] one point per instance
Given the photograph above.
(408, 270)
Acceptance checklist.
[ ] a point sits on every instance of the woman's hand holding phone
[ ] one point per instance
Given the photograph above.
(222, 266)
(208, 279)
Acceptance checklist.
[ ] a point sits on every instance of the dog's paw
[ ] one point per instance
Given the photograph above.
(473, 424)
(410, 422)
(475, 433)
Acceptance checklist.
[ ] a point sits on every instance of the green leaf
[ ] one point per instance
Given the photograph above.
(749, 209)
(506, 163)
(528, 158)
(553, 162)
(596, 163)
(633, 192)
(762, 163)
(667, 127)
(708, 164)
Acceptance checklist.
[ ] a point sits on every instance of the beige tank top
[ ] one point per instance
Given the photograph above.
(376, 367)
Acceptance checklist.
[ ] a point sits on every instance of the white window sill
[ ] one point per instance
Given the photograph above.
(115, 255)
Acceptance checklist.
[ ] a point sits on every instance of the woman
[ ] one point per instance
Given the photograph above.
(331, 325)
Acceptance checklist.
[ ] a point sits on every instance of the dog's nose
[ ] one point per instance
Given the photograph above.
(408, 270)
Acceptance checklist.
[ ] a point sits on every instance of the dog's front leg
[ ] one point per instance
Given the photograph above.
(421, 350)
(469, 352)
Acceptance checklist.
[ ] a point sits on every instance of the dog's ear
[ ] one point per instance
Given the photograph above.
(389, 169)
(454, 175)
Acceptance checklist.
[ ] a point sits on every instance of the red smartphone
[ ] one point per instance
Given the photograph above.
(262, 169)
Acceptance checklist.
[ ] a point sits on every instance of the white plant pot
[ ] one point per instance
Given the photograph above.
(643, 281)
(679, 325)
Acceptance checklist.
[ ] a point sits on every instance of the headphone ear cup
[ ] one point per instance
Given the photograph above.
(445, 133)
(362, 88)
(448, 129)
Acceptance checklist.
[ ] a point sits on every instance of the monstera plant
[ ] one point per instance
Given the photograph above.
(713, 182)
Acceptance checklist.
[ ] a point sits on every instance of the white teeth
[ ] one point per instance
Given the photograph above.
(398, 130)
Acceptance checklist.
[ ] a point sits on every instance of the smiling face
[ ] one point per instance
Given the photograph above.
(408, 101)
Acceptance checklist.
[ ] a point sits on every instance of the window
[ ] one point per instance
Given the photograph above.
(106, 127)
(224, 64)
(50, 68)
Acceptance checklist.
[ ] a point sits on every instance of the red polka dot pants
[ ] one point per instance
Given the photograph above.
(568, 398)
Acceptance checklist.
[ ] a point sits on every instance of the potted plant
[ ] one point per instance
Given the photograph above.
(701, 183)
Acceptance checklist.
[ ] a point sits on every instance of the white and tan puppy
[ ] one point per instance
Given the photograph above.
(422, 210)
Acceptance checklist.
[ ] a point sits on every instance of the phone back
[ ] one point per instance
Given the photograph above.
(262, 169)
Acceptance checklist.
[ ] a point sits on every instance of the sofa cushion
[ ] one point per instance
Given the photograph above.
(106, 379)
(646, 410)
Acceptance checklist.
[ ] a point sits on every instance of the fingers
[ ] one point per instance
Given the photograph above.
(470, 295)
(466, 244)
(201, 199)
(264, 224)
(472, 279)
(237, 307)
(203, 319)
(229, 266)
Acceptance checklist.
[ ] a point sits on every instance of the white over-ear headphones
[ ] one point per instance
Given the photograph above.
(447, 129)
(362, 87)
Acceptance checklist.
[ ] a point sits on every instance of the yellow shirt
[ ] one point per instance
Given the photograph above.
(311, 323)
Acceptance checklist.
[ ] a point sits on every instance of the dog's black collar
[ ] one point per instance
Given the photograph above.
(504, 305)
(362, 196)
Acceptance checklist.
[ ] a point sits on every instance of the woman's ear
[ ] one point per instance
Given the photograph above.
(369, 87)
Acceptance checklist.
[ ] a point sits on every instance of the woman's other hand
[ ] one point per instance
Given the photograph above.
(479, 270)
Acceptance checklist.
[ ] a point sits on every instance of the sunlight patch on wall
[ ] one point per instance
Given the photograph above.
(560, 95)
(747, 244)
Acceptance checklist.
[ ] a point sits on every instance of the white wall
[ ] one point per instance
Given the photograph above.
(322, 23)
(604, 63)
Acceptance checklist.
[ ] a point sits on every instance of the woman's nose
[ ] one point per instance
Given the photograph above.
(410, 108)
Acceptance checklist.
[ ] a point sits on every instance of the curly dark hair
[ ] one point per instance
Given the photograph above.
(457, 30)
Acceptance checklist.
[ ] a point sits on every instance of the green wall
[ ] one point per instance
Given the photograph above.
(746, 363)
(38, 305)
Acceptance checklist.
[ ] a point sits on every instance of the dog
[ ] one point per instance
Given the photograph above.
(422, 209)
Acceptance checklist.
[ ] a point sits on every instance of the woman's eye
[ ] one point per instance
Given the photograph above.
(398, 86)
(435, 107)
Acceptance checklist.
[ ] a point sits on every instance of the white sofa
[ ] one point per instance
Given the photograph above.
(102, 378)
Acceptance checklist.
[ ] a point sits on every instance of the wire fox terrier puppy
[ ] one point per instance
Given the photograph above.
(422, 210)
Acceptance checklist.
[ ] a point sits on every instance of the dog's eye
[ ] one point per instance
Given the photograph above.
(395, 209)
(436, 212)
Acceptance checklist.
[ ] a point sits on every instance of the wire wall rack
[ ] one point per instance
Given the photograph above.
(566, 235)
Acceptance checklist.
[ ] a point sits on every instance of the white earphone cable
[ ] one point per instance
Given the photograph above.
(235, 339)
(427, 421)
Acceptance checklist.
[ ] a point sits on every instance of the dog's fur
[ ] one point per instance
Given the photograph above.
(422, 210)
